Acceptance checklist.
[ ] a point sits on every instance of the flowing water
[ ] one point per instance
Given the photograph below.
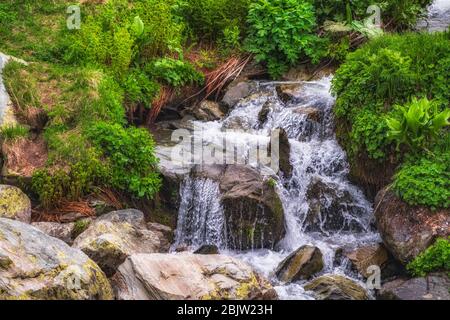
(346, 216)
(317, 159)
(438, 18)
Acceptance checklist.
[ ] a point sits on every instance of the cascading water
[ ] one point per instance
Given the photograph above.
(201, 220)
(438, 18)
(321, 207)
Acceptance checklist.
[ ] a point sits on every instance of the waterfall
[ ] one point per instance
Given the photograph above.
(322, 208)
(200, 217)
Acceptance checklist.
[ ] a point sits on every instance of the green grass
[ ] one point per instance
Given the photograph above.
(13, 132)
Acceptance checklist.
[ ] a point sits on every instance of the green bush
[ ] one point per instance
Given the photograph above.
(174, 72)
(130, 153)
(208, 19)
(71, 183)
(417, 124)
(388, 71)
(435, 258)
(425, 181)
(281, 32)
(140, 89)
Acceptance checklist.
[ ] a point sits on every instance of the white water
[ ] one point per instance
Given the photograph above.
(315, 156)
(438, 18)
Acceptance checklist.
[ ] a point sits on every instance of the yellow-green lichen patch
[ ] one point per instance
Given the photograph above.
(13, 202)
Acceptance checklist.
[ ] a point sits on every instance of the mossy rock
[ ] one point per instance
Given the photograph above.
(35, 266)
(14, 204)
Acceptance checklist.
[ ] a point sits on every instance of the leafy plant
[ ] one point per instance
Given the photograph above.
(418, 123)
(71, 183)
(435, 258)
(174, 72)
(130, 153)
(208, 19)
(281, 32)
(425, 181)
(140, 89)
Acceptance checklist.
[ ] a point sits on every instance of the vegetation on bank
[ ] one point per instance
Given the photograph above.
(436, 258)
(393, 101)
(94, 85)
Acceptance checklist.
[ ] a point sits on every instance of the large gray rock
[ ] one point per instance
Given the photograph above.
(188, 277)
(302, 264)
(62, 231)
(252, 207)
(207, 111)
(14, 204)
(364, 257)
(336, 287)
(110, 239)
(406, 230)
(289, 92)
(435, 286)
(236, 92)
(34, 265)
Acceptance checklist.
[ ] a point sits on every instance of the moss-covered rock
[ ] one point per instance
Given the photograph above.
(113, 237)
(14, 204)
(300, 265)
(35, 266)
(188, 277)
(336, 287)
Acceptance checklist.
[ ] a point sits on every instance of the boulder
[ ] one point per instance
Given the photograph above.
(110, 239)
(207, 249)
(336, 287)
(263, 115)
(207, 111)
(252, 207)
(406, 230)
(302, 264)
(35, 266)
(186, 276)
(432, 287)
(364, 257)
(311, 113)
(236, 92)
(289, 92)
(14, 204)
(285, 154)
(331, 209)
(62, 231)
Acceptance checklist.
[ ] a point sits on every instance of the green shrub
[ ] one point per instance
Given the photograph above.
(388, 71)
(174, 72)
(140, 89)
(281, 32)
(130, 153)
(417, 124)
(208, 19)
(425, 181)
(435, 258)
(71, 183)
